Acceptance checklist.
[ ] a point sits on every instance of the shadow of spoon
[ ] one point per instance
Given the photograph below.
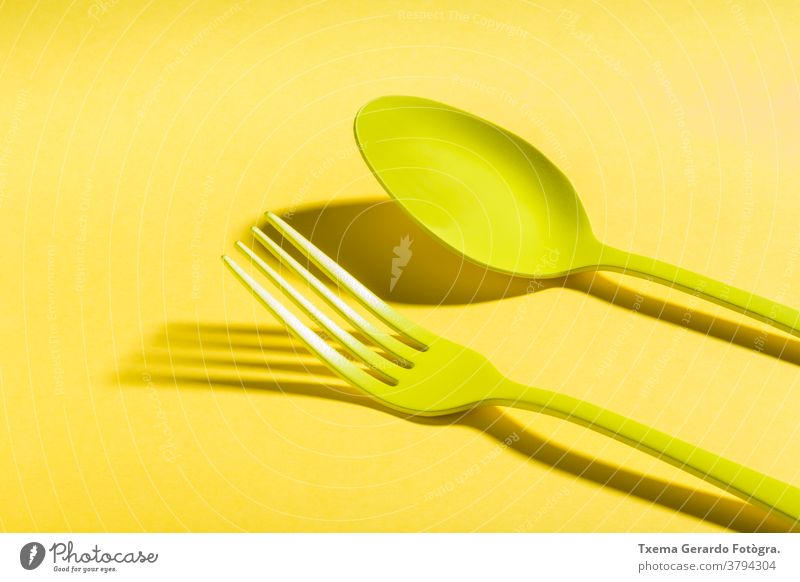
(365, 237)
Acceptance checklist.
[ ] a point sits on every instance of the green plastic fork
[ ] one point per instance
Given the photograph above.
(424, 374)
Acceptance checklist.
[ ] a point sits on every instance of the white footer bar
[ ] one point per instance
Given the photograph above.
(400, 557)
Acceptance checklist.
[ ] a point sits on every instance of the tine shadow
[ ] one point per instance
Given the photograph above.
(492, 421)
(398, 260)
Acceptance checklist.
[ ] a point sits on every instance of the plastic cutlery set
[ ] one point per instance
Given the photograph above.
(494, 198)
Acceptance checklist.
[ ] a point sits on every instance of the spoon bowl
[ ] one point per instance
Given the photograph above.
(479, 188)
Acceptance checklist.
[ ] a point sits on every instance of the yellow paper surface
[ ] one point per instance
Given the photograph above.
(139, 141)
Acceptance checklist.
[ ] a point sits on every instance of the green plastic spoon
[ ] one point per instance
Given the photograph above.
(492, 196)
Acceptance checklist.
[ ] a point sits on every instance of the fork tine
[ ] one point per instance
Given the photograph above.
(363, 295)
(377, 335)
(336, 361)
(372, 359)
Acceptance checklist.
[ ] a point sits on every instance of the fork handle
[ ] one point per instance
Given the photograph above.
(748, 484)
(771, 312)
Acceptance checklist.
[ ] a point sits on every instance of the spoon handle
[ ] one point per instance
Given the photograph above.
(748, 484)
(771, 312)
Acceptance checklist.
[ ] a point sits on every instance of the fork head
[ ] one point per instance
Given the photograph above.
(412, 370)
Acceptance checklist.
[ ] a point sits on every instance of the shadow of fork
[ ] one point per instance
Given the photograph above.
(185, 359)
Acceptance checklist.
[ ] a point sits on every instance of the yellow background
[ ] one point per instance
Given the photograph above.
(139, 140)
